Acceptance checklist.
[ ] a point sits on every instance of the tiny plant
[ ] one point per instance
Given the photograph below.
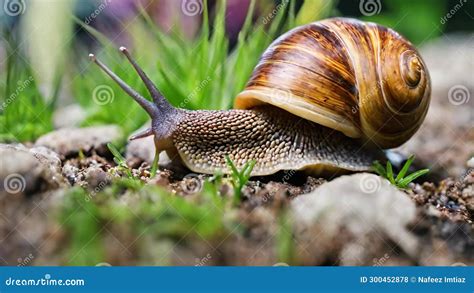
(239, 178)
(401, 181)
(120, 160)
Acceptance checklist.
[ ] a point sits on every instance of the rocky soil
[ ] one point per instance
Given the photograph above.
(63, 200)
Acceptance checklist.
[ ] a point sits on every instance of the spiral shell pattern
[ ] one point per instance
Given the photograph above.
(356, 77)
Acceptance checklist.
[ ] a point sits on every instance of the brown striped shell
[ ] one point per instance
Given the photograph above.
(356, 77)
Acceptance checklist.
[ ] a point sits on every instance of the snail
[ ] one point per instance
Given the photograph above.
(326, 96)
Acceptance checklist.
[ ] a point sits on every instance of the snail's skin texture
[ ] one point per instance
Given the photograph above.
(274, 138)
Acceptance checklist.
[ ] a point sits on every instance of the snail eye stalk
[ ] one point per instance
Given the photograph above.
(158, 98)
(147, 105)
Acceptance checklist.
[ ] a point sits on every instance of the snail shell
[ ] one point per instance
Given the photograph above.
(359, 78)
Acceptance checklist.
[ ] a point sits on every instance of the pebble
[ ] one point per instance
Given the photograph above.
(470, 162)
(364, 205)
(69, 141)
(28, 171)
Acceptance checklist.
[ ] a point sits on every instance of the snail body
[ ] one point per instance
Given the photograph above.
(320, 94)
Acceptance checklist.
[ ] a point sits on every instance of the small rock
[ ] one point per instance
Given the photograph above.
(47, 157)
(71, 173)
(69, 141)
(28, 171)
(162, 178)
(363, 207)
(97, 178)
(470, 162)
(69, 116)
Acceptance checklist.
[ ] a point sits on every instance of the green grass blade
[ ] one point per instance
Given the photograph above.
(390, 172)
(116, 153)
(405, 168)
(247, 170)
(233, 168)
(248, 20)
(405, 181)
(379, 169)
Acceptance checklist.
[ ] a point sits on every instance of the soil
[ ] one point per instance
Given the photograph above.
(444, 223)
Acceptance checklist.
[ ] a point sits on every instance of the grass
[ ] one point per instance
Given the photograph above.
(239, 178)
(85, 240)
(285, 244)
(131, 208)
(24, 112)
(401, 181)
(201, 73)
(120, 161)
